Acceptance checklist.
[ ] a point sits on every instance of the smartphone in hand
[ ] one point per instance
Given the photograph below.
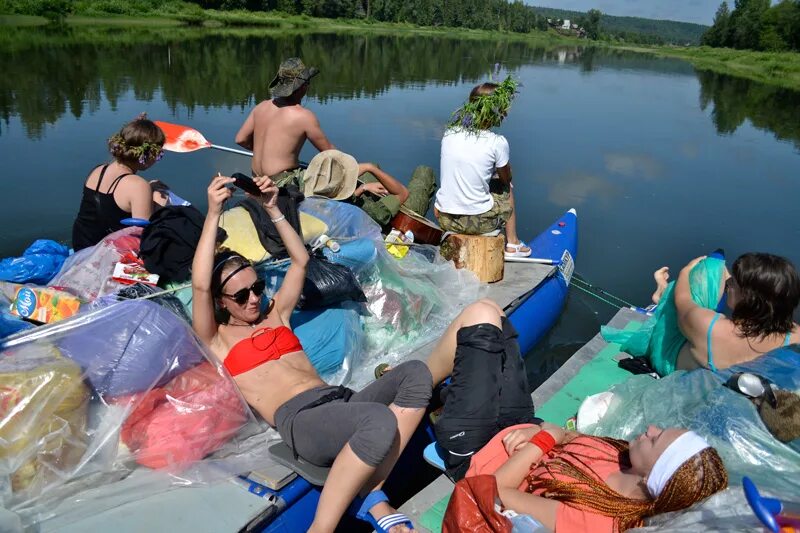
(246, 183)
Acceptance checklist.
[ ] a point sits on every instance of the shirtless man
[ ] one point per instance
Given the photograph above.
(277, 129)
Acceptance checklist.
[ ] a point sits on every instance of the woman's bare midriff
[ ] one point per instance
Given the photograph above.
(271, 384)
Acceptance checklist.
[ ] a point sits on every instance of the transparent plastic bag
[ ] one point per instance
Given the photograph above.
(87, 273)
(410, 301)
(698, 401)
(86, 402)
(726, 511)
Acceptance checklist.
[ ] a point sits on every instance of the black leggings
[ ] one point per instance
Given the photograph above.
(488, 392)
(364, 420)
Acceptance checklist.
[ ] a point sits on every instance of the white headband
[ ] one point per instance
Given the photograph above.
(681, 450)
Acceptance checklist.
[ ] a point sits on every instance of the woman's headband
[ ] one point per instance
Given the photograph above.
(219, 265)
(681, 450)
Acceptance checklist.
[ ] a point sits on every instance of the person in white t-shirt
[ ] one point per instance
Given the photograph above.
(476, 194)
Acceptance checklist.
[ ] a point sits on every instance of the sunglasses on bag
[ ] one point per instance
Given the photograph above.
(242, 295)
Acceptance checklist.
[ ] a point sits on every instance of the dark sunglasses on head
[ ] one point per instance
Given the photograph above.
(242, 295)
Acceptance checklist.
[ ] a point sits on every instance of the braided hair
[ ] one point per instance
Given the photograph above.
(696, 479)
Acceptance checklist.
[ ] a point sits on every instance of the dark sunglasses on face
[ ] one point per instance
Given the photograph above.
(242, 295)
(729, 283)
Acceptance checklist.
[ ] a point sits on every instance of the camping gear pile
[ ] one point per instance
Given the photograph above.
(122, 398)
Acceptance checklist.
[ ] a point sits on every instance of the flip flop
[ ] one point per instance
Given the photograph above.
(518, 250)
(381, 525)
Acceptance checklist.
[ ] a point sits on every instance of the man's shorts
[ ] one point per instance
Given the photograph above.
(493, 219)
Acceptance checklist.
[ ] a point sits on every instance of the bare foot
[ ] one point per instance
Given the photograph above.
(662, 278)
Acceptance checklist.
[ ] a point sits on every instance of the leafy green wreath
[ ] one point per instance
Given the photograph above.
(485, 111)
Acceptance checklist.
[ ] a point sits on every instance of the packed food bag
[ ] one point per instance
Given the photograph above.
(113, 405)
(43, 409)
(89, 273)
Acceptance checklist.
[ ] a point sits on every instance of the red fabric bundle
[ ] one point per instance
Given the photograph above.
(191, 416)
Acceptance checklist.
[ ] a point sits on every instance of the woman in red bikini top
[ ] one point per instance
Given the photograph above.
(258, 348)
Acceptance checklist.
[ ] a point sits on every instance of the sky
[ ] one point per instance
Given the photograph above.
(699, 11)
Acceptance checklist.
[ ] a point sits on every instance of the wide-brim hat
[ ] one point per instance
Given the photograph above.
(292, 74)
(331, 174)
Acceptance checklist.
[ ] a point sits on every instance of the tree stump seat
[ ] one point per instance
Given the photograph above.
(482, 255)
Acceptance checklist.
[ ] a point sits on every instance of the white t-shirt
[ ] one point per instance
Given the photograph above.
(468, 163)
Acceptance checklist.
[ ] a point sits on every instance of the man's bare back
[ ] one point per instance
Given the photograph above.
(276, 131)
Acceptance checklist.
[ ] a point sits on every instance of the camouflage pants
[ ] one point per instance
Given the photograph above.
(493, 219)
(294, 176)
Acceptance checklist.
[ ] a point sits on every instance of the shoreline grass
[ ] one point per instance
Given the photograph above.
(774, 68)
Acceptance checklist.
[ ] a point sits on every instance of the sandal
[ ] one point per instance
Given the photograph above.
(381, 525)
(518, 250)
(381, 369)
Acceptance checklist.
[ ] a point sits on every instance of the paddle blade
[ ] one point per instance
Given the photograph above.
(182, 138)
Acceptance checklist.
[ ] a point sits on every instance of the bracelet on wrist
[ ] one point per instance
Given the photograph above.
(544, 441)
(276, 220)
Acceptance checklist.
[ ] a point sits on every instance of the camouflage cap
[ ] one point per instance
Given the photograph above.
(292, 74)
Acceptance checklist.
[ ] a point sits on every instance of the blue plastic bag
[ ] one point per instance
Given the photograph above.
(39, 263)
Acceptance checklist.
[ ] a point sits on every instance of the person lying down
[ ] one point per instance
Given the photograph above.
(571, 482)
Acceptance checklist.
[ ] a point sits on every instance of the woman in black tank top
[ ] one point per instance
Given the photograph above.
(136, 147)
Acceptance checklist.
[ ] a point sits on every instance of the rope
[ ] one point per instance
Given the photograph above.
(597, 296)
(597, 292)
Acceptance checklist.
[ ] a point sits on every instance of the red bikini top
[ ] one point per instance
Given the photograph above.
(265, 344)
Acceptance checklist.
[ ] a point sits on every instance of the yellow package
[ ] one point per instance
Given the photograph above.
(43, 409)
(44, 304)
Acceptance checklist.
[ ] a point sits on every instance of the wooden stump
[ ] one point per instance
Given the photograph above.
(482, 255)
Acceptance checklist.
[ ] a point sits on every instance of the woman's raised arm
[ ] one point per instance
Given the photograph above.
(203, 321)
(287, 296)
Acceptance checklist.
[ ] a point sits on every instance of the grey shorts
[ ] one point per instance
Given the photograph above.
(319, 433)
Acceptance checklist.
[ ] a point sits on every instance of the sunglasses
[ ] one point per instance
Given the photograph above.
(730, 283)
(242, 295)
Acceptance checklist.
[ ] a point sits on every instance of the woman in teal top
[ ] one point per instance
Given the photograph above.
(763, 291)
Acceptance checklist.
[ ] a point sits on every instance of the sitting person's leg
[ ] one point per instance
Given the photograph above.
(504, 202)
(421, 188)
(473, 351)
(362, 439)
(516, 404)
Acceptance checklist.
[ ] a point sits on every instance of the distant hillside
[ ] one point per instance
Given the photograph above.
(669, 31)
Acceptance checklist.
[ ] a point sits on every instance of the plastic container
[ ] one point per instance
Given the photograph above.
(332, 245)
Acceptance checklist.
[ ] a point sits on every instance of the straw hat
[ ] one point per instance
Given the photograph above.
(331, 174)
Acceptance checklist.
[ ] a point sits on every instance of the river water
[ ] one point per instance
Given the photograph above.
(663, 163)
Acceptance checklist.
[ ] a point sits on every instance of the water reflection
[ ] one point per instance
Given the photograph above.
(49, 72)
(46, 76)
(735, 100)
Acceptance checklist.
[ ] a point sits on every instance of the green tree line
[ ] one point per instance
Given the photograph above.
(479, 14)
(756, 25)
(633, 29)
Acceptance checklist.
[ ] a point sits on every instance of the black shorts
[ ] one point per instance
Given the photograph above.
(488, 392)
